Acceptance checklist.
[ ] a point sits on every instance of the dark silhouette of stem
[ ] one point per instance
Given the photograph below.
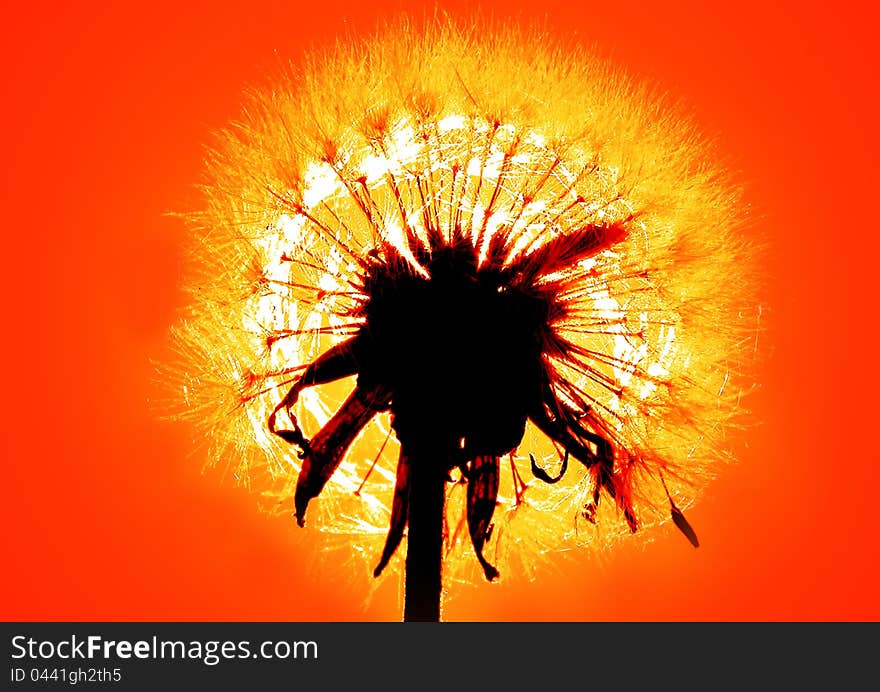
(424, 553)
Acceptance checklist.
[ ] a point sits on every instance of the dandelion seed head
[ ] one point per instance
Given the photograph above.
(503, 133)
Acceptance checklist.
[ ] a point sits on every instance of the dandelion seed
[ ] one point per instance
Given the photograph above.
(447, 247)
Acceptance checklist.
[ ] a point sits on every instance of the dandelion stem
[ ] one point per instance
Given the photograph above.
(427, 494)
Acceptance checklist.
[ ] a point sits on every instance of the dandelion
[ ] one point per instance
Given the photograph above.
(469, 289)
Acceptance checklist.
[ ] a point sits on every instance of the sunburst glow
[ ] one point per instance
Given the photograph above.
(511, 140)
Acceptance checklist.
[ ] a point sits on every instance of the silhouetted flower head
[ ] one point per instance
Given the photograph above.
(478, 225)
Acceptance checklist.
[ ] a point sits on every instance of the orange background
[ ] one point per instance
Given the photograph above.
(106, 515)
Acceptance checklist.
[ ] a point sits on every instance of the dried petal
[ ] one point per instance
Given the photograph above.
(482, 496)
(329, 446)
(399, 510)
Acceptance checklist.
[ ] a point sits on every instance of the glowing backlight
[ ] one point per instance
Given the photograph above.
(501, 136)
